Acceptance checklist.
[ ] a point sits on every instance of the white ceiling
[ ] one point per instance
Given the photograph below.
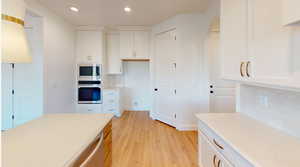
(110, 12)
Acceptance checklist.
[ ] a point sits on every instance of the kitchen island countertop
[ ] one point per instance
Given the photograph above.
(54, 140)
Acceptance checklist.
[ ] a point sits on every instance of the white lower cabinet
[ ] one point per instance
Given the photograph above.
(89, 108)
(215, 152)
(111, 102)
(209, 157)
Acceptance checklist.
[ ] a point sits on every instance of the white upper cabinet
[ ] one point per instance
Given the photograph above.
(126, 44)
(233, 37)
(89, 47)
(114, 62)
(134, 44)
(141, 44)
(255, 47)
(269, 41)
(291, 12)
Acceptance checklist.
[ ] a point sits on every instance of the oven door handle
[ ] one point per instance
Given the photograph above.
(89, 86)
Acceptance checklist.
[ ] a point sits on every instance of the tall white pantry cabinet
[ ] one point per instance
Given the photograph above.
(256, 48)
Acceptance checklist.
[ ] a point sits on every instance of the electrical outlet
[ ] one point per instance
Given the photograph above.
(264, 101)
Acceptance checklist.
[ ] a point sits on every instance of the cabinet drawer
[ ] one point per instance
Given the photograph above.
(111, 94)
(210, 157)
(110, 97)
(111, 110)
(110, 101)
(222, 147)
(109, 107)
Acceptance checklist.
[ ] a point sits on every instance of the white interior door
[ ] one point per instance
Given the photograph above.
(164, 63)
(222, 93)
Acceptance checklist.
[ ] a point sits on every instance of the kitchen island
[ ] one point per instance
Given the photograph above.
(58, 140)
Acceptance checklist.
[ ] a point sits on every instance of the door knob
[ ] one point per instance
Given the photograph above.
(211, 92)
(156, 89)
(211, 86)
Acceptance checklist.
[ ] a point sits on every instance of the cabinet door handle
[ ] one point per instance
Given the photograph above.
(247, 69)
(241, 69)
(214, 160)
(218, 145)
(219, 163)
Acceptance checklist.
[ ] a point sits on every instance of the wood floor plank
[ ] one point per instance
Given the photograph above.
(139, 141)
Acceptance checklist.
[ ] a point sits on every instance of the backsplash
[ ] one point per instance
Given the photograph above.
(277, 108)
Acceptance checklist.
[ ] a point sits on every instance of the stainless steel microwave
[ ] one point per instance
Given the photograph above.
(88, 72)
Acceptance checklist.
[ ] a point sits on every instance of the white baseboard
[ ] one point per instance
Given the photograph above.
(152, 115)
(187, 127)
(180, 127)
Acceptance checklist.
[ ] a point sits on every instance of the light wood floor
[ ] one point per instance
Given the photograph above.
(139, 141)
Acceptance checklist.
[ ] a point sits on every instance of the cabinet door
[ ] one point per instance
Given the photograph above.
(233, 37)
(268, 40)
(126, 44)
(209, 157)
(113, 54)
(141, 45)
(89, 47)
(291, 12)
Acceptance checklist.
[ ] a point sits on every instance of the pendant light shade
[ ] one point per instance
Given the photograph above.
(15, 48)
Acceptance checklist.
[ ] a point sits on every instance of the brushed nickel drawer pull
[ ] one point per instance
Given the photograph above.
(217, 144)
(241, 69)
(247, 69)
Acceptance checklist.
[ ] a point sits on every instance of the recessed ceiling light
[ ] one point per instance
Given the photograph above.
(127, 9)
(74, 9)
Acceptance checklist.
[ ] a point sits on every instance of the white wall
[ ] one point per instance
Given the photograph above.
(47, 85)
(191, 77)
(59, 60)
(136, 86)
(277, 108)
(28, 80)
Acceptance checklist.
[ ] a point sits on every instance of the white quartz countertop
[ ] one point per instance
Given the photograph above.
(53, 140)
(258, 143)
